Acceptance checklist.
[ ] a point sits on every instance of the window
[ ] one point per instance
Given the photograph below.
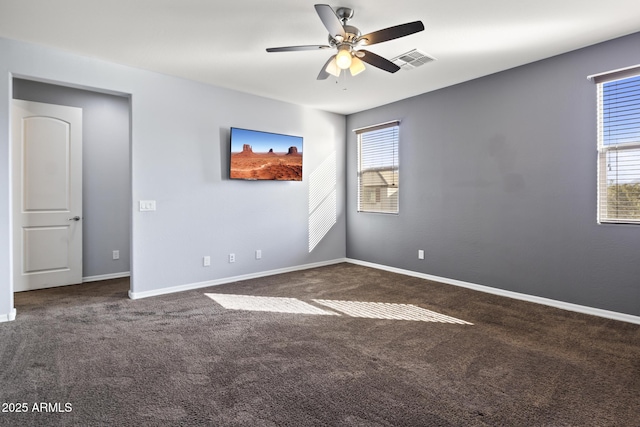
(378, 168)
(619, 146)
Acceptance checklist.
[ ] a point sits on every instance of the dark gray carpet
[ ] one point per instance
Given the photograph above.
(183, 359)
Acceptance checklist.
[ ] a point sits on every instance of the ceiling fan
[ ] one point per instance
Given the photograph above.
(348, 40)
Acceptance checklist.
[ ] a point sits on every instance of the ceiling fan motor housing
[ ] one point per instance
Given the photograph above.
(352, 34)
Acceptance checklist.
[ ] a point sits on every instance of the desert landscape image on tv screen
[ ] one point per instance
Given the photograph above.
(259, 155)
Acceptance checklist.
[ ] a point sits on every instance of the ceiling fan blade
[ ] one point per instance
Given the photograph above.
(330, 20)
(378, 61)
(323, 73)
(391, 33)
(297, 48)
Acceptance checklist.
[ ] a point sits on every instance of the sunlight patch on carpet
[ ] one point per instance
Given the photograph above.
(381, 310)
(271, 304)
(369, 310)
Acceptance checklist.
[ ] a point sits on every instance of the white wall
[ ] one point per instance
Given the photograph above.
(179, 156)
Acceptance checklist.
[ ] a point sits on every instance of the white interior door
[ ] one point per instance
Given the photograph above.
(47, 195)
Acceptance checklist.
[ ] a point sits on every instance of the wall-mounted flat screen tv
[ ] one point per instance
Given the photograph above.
(257, 155)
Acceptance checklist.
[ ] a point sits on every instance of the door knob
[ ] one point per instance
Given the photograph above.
(75, 218)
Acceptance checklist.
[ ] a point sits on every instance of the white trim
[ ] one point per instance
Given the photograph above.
(611, 147)
(509, 294)
(9, 317)
(481, 288)
(631, 70)
(216, 282)
(106, 277)
(390, 123)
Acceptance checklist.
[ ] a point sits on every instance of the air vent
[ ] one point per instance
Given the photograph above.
(412, 59)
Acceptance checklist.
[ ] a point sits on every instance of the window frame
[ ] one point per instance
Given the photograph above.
(606, 150)
(385, 208)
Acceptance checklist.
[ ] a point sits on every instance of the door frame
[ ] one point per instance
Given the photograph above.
(129, 97)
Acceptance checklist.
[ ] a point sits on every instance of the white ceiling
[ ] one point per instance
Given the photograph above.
(223, 43)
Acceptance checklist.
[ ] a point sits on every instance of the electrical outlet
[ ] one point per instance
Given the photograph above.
(420, 254)
(206, 261)
(258, 254)
(116, 254)
(232, 258)
(147, 205)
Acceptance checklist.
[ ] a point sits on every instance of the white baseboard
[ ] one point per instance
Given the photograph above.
(9, 317)
(216, 282)
(481, 288)
(509, 294)
(106, 277)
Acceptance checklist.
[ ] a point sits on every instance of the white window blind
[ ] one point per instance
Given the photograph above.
(619, 147)
(378, 184)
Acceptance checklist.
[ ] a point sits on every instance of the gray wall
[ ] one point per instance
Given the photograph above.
(179, 157)
(498, 185)
(106, 179)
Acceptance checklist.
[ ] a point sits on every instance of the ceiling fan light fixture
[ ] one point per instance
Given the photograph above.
(357, 66)
(332, 68)
(343, 58)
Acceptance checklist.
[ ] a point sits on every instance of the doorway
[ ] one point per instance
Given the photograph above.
(105, 220)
